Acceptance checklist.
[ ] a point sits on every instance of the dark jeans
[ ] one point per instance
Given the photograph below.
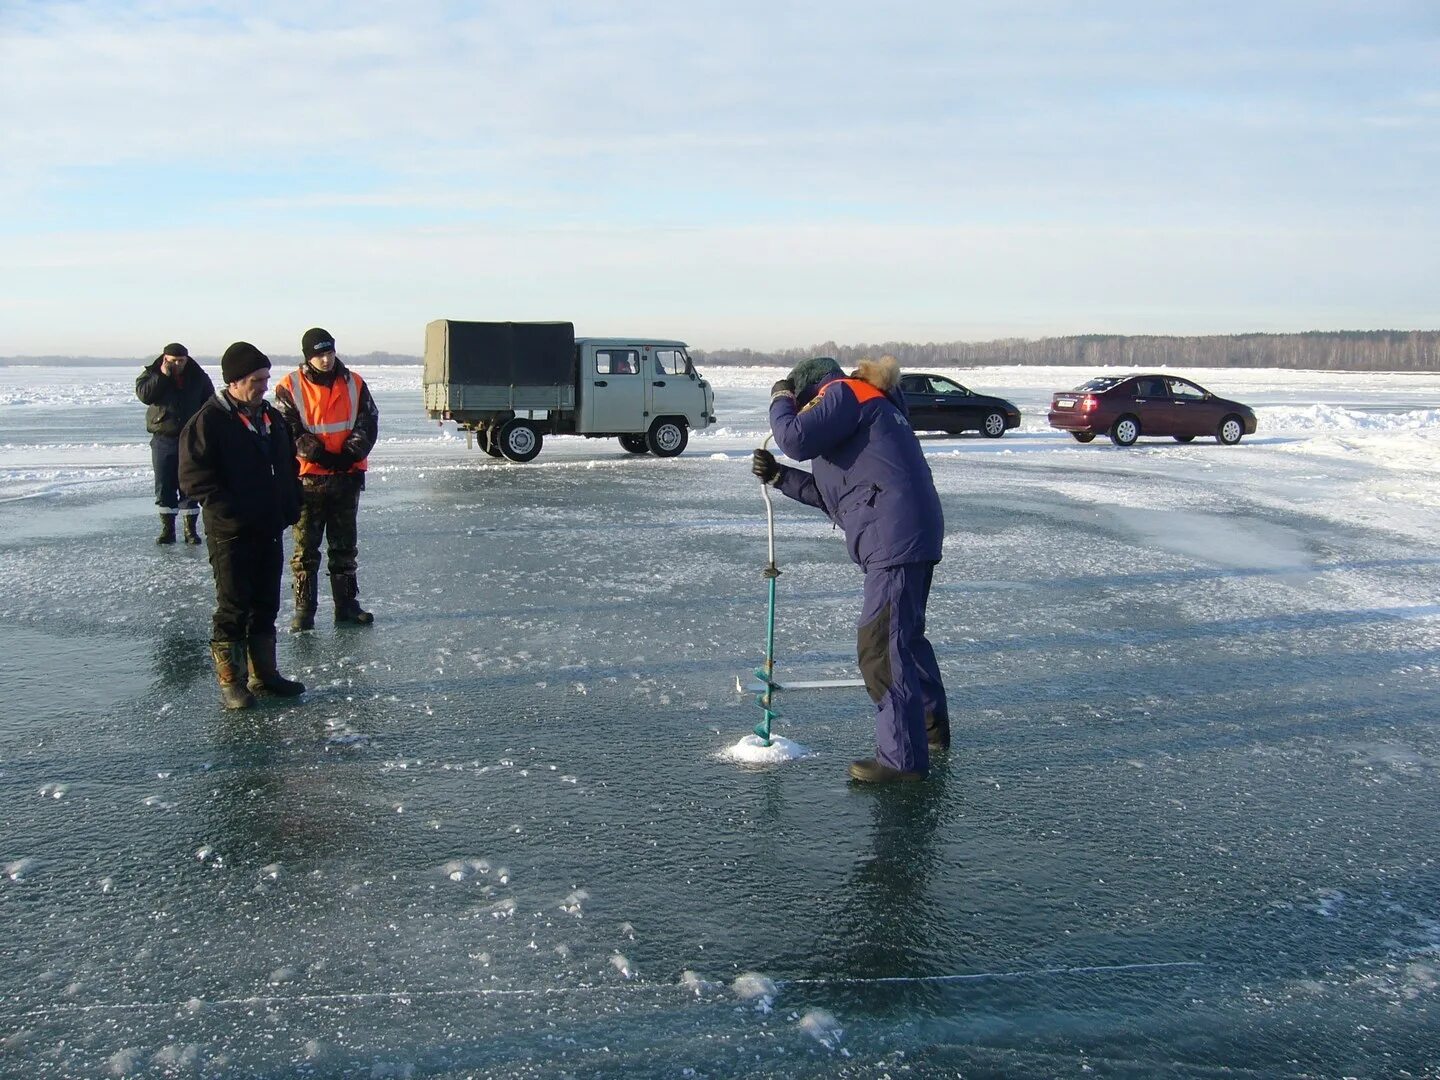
(327, 509)
(247, 570)
(165, 459)
(898, 663)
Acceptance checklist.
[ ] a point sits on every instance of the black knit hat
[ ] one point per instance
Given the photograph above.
(174, 349)
(241, 359)
(315, 341)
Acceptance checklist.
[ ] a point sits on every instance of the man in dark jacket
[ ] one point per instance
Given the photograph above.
(334, 422)
(174, 387)
(871, 478)
(236, 457)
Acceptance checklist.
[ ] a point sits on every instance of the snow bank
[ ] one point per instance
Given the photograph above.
(1328, 418)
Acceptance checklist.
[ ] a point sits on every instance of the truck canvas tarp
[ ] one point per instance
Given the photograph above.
(511, 364)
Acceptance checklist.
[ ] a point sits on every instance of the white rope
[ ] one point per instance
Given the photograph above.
(407, 996)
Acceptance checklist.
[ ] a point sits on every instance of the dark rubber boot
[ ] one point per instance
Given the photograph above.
(344, 588)
(265, 677)
(192, 533)
(167, 529)
(870, 771)
(937, 732)
(305, 600)
(229, 658)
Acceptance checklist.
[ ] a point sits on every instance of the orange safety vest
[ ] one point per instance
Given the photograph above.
(327, 412)
(862, 390)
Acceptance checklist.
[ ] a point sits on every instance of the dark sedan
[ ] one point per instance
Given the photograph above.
(1126, 407)
(940, 404)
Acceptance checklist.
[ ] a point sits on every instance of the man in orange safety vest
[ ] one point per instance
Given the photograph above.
(334, 422)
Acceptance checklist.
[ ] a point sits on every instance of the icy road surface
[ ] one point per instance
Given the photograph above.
(1188, 826)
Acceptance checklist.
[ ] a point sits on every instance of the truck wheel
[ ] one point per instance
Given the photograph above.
(519, 441)
(667, 437)
(635, 444)
(490, 441)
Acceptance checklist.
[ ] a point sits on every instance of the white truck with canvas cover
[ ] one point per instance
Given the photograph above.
(511, 384)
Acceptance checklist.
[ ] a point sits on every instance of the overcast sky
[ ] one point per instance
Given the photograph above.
(731, 173)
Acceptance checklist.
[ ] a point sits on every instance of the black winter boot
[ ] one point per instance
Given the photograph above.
(167, 529)
(265, 677)
(229, 658)
(937, 731)
(870, 771)
(344, 588)
(192, 534)
(305, 599)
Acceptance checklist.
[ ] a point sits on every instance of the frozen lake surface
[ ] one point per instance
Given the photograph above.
(1188, 826)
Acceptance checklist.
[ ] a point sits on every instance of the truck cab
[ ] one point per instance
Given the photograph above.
(645, 390)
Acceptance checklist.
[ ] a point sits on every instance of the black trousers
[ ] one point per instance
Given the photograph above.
(328, 509)
(247, 571)
(165, 460)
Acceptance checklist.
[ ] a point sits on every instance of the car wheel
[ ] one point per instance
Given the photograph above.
(993, 425)
(1083, 436)
(1230, 430)
(519, 441)
(634, 443)
(667, 437)
(1184, 438)
(1125, 431)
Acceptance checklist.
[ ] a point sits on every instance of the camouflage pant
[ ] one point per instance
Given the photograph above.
(327, 509)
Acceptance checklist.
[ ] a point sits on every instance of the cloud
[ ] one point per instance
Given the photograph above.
(539, 154)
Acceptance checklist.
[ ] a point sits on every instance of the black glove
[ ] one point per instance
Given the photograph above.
(764, 465)
(346, 457)
(327, 459)
(785, 387)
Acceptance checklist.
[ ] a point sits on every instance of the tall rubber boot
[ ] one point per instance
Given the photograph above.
(937, 731)
(192, 533)
(229, 658)
(265, 677)
(306, 588)
(872, 771)
(167, 529)
(344, 588)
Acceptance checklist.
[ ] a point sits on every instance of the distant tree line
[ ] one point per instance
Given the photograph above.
(1323, 350)
(1342, 350)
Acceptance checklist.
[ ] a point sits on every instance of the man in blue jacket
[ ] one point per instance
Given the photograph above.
(871, 478)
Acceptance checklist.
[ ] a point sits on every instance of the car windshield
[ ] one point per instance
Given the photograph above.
(1103, 383)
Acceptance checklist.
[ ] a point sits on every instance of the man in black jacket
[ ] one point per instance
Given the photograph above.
(236, 457)
(174, 387)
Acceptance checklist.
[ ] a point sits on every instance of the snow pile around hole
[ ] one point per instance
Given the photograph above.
(751, 750)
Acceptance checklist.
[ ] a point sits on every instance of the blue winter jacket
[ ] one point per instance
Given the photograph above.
(870, 475)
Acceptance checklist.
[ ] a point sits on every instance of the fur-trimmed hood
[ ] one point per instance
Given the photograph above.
(883, 374)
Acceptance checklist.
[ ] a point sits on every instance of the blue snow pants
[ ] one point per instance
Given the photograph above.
(898, 664)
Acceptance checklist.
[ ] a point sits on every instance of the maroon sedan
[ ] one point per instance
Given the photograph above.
(1128, 406)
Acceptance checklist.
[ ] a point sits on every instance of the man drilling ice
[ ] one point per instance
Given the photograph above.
(871, 478)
